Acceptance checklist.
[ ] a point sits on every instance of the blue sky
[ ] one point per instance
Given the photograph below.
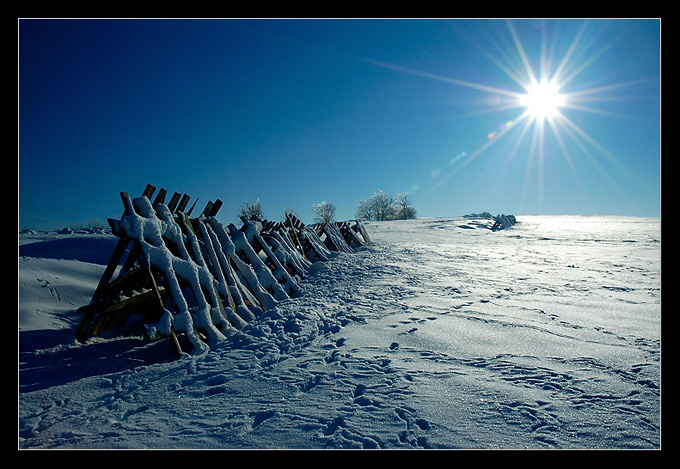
(295, 112)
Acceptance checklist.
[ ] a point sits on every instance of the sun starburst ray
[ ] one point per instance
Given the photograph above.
(592, 110)
(567, 56)
(548, 95)
(533, 157)
(554, 126)
(444, 79)
(470, 158)
(520, 50)
(595, 162)
(573, 95)
(525, 126)
(514, 76)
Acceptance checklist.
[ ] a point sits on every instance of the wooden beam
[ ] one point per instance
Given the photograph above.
(192, 207)
(207, 209)
(131, 280)
(111, 267)
(183, 203)
(148, 192)
(215, 208)
(104, 307)
(174, 201)
(160, 197)
(159, 299)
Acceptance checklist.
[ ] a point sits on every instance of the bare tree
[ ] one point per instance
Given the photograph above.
(378, 207)
(381, 207)
(404, 210)
(325, 212)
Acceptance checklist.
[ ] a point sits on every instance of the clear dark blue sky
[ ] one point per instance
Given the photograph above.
(295, 112)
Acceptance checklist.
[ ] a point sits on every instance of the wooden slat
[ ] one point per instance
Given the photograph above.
(111, 267)
(215, 208)
(207, 209)
(174, 201)
(131, 280)
(109, 312)
(160, 197)
(183, 203)
(159, 299)
(104, 307)
(192, 207)
(362, 229)
(148, 192)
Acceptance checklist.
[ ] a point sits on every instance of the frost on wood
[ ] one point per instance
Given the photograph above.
(199, 279)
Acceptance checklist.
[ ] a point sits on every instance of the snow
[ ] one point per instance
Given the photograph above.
(439, 334)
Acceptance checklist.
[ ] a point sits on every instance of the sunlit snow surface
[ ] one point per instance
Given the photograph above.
(440, 334)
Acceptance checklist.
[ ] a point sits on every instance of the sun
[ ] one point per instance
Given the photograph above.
(542, 100)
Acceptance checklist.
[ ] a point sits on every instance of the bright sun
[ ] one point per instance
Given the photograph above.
(542, 100)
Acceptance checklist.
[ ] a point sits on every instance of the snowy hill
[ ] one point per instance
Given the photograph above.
(439, 334)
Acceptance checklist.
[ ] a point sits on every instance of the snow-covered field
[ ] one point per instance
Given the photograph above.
(439, 334)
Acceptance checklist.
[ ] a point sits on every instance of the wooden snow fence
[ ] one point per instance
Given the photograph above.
(199, 279)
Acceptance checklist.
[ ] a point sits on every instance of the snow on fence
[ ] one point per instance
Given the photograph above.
(199, 278)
